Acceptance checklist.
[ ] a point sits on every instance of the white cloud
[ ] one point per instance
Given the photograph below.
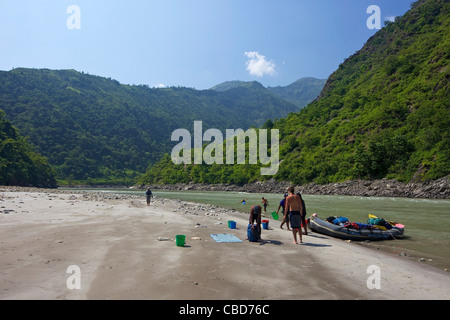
(257, 64)
(159, 86)
(390, 18)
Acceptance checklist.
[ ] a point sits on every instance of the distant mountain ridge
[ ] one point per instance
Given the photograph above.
(227, 85)
(300, 92)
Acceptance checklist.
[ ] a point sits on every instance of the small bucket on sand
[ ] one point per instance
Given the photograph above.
(275, 216)
(180, 240)
(265, 224)
(232, 224)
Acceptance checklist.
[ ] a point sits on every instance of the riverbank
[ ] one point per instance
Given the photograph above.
(435, 189)
(124, 249)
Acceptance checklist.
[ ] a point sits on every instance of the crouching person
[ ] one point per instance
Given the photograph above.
(254, 226)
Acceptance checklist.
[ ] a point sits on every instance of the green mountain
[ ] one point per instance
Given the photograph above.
(96, 130)
(19, 164)
(301, 92)
(227, 85)
(383, 113)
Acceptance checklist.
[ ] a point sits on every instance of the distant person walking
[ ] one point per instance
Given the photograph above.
(149, 195)
(295, 208)
(265, 203)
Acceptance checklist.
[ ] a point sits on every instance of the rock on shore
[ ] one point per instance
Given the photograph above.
(435, 189)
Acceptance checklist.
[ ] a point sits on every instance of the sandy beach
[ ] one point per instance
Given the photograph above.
(123, 249)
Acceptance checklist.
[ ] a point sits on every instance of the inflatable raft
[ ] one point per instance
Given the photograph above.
(354, 231)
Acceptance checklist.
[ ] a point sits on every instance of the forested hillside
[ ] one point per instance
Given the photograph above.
(19, 164)
(383, 113)
(96, 130)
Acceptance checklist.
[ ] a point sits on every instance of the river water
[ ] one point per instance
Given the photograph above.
(427, 222)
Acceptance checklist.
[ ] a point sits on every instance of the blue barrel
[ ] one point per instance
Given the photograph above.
(254, 234)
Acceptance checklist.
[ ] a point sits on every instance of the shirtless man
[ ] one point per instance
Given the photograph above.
(294, 208)
(265, 203)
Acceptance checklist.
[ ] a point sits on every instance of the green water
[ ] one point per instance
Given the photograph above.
(427, 222)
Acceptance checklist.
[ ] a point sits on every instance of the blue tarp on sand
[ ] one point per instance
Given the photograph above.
(222, 238)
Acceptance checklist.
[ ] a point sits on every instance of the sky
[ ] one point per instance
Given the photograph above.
(190, 43)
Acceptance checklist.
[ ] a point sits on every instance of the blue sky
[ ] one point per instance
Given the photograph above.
(192, 43)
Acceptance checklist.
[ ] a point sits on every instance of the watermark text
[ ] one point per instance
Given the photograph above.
(74, 20)
(374, 280)
(74, 281)
(214, 152)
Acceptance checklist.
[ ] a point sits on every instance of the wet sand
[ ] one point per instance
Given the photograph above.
(123, 249)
